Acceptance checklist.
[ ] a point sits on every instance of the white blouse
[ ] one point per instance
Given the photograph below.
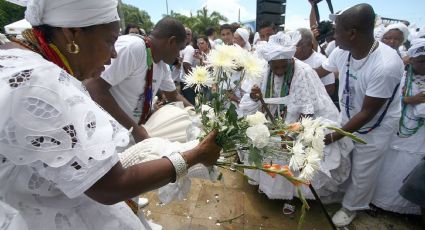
(55, 143)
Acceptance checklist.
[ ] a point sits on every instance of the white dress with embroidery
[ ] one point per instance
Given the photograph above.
(55, 143)
(307, 95)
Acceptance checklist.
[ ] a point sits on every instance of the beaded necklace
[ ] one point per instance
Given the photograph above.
(347, 91)
(148, 93)
(284, 90)
(403, 130)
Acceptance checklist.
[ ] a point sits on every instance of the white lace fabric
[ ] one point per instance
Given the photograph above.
(47, 116)
(55, 143)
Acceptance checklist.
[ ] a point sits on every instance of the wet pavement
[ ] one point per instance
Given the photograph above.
(234, 204)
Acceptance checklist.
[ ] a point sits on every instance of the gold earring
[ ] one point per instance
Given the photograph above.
(72, 48)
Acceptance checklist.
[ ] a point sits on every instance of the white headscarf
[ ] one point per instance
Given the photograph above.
(244, 33)
(417, 48)
(281, 46)
(71, 13)
(398, 26)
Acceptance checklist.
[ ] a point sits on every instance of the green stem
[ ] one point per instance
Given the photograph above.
(229, 220)
(347, 134)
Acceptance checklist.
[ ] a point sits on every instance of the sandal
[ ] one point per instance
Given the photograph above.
(288, 209)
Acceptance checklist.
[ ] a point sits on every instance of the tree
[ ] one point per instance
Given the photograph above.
(201, 21)
(204, 20)
(133, 15)
(9, 13)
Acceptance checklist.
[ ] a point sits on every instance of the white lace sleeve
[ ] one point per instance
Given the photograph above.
(302, 93)
(47, 116)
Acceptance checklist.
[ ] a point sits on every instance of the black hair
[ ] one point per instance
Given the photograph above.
(168, 27)
(225, 27)
(326, 30)
(209, 31)
(131, 25)
(265, 24)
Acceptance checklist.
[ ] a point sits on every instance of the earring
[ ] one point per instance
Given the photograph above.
(72, 48)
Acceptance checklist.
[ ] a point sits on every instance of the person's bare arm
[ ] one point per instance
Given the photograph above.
(120, 183)
(321, 72)
(99, 91)
(370, 107)
(176, 96)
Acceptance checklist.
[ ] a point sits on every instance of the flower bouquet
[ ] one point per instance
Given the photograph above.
(301, 144)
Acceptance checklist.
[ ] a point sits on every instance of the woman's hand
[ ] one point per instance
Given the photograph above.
(414, 100)
(207, 152)
(256, 93)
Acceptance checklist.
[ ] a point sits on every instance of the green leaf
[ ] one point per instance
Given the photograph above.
(255, 156)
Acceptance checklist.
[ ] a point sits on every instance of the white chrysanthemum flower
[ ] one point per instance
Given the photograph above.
(259, 135)
(256, 119)
(221, 58)
(308, 172)
(198, 77)
(298, 156)
(254, 67)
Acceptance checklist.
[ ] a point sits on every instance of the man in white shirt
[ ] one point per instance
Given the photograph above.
(369, 73)
(121, 89)
(306, 54)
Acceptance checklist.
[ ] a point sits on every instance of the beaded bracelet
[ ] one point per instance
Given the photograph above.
(179, 164)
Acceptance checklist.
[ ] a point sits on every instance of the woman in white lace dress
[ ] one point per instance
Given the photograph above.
(293, 90)
(406, 149)
(58, 164)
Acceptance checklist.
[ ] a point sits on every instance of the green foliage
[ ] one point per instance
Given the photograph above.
(9, 13)
(201, 21)
(133, 15)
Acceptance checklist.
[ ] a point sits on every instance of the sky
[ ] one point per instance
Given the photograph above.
(297, 11)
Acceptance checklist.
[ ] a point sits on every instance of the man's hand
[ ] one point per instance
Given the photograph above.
(139, 133)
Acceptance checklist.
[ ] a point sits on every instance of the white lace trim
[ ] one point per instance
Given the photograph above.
(47, 115)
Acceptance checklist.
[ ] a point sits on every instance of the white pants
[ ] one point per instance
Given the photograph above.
(366, 163)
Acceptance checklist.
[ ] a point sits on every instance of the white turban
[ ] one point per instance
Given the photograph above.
(244, 33)
(71, 13)
(417, 48)
(398, 26)
(281, 46)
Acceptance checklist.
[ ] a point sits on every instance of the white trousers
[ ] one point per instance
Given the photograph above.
(366, 163)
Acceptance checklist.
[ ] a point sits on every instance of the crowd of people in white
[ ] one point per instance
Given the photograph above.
(73, 88)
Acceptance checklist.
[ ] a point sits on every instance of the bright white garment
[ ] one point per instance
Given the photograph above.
(315, 61)
(307, 95)
(10, 218)
(55, 143)
(374, 76)
(329, 48)
(403, 155)
(127, 75)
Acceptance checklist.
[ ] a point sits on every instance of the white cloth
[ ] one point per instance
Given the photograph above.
(330, 47)
(417, 48)
(55, 143)
(244, 33)
(71, 13)
(281, 46)
(315, 61)
(10, 218)
(378, 77)
(403, 155)
(398, 26)
(127, 75)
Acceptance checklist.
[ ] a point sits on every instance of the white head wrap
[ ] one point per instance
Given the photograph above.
(379, 31)
(281, 46)
(417, 48)
(19, 2)
(244, 33)
(398, 26)
(71, 13)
